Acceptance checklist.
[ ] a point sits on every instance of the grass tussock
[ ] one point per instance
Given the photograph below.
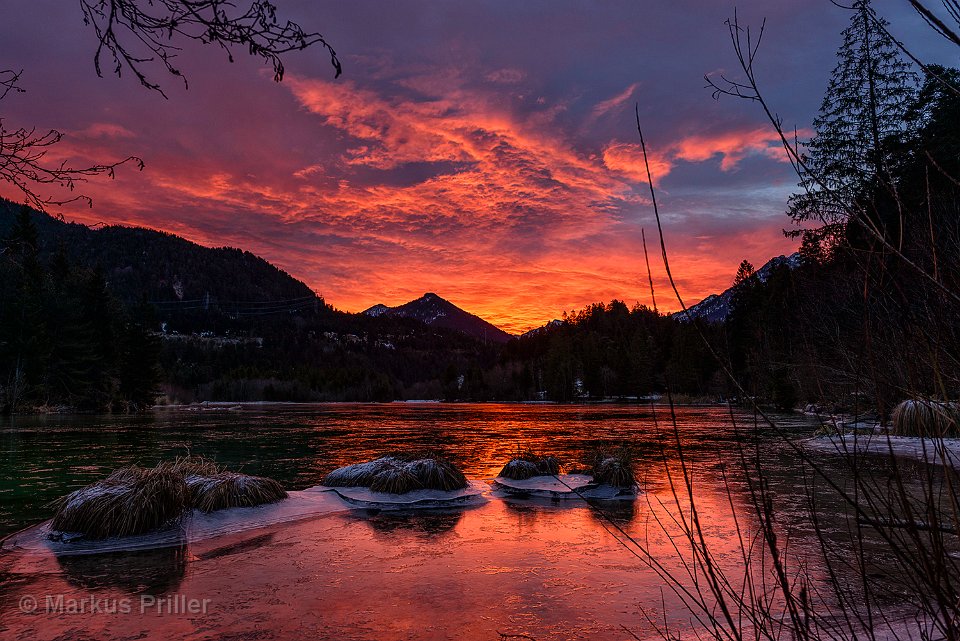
(400, 473)
(396, 480)
(192, 466)
(923, 417)
(435, 473)
(613, 467)
(358, 474)
(135, 500)
(519, 470)
(230, 489)
(132, 500)
(528, 464)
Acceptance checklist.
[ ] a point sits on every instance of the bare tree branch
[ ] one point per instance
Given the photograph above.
(135, 33)
(938, 25)
(23, 155)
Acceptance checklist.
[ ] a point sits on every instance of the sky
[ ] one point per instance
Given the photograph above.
(486, 151)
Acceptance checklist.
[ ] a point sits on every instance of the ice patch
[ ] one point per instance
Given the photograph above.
(194, 526)
(365, 497)
(562, 486)
(939, 451)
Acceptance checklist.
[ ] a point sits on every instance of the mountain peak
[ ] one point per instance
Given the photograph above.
(433, 310)
(377, 310)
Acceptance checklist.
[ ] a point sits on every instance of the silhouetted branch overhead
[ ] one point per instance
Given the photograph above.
(8, 82)
(24, 163)
(936, 23)
(133, 35)
(136, 33)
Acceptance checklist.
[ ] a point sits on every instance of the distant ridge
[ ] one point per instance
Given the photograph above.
(143, 264)
(432, 310)
(536, 331)
(716, 307)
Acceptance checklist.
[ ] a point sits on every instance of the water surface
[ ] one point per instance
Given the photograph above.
(545, 569)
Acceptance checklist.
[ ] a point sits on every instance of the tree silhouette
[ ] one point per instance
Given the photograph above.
(865, 106)
(23, 162)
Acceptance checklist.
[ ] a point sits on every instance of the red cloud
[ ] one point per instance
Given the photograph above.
(432, 184)
(627, 159)
(732, 146)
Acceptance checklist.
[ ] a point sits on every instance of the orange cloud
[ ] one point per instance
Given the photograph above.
(612, 104)
(436, 185)
(627, 159)
(732, 146)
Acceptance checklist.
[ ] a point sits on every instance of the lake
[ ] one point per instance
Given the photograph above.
(544, 569)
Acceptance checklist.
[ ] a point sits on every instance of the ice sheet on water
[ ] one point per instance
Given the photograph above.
(317, 501)
(939, 451)
(561, 486)
(365, 497)
(194, 526)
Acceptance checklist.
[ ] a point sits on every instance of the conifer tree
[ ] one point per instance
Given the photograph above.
(862, 119)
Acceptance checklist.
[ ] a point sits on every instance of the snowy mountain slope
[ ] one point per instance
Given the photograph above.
(715, 307)
(432, 310)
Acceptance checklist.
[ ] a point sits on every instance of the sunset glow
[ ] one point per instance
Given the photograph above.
(513, 189)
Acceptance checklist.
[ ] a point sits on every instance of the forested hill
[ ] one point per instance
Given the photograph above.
(142, 264)
(433, 311)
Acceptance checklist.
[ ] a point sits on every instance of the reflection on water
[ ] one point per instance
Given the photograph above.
(45, 457)
(156, 571)
(239, 547)
(427, 523)
(547, 569)
(620, 512)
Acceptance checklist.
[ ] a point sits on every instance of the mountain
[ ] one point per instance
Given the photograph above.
(142, 264)
(376, 310)
(712, 309)
(222, 325)
(536, 331)
(434, 311)
(715, 307)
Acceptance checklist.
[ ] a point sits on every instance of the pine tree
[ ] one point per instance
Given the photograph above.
(23, 243)
(862, 119)
(741, 325)
(23, 338)
(745, 273)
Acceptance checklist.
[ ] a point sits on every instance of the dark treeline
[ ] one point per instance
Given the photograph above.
(314, 355)
(74, 335)
(607, 351)
(64, 338)
(109, 318)
(116, 318)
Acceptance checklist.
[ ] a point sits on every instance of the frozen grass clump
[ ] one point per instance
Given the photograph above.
(437, 473)
(358, 474)
(527, 465)
(519, 470)
(135, 500)
(231, 489)
(395, 480)
(400, 473)
(923, 417)
(613, 467)
(132, 500)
